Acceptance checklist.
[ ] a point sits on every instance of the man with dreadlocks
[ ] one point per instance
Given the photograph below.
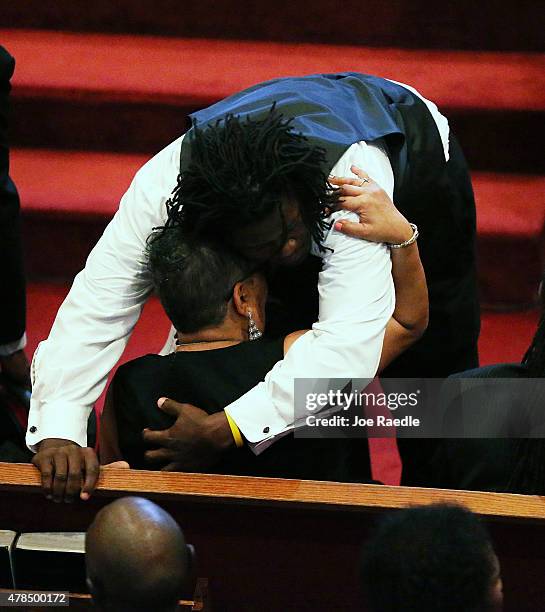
(253, 171)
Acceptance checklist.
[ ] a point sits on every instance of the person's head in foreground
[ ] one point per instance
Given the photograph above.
(432, 558)
(136, 557)
(208, 291)
(256, 185)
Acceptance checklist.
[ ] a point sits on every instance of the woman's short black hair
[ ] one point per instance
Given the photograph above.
(193, 278)
(436, 557)
(240, 169)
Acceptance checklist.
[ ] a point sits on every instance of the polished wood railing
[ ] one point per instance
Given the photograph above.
(274, 544)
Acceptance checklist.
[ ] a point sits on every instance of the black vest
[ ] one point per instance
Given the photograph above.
(334, 111)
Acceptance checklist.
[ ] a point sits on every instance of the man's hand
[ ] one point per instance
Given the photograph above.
(16, 368)
(379, 219)
(193, 443)
(68, 470)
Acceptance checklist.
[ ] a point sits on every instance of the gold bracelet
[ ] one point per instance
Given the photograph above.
(239, 442)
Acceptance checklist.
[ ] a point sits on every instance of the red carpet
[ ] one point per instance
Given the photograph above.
(511, 237)
(198, 71)
(133, 93)
(72, 184)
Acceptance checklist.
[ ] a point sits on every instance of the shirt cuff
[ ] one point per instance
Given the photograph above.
(13, 347)
(256, 416)
(56, 420)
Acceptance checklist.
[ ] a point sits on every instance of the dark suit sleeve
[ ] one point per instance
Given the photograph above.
(12, 280)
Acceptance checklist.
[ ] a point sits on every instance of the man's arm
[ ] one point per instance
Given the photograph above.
(379, 217)
(93, 325)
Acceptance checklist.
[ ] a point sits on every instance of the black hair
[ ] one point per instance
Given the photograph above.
(240, 169)
(528, 476)
(429, 558)
(534, 359)
(194, 279)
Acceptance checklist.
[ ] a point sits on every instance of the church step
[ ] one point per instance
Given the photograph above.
(133, 93)
(511, 237)
(403, 23)
(69, 197)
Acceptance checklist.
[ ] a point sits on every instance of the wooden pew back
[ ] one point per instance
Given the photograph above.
(273, 544)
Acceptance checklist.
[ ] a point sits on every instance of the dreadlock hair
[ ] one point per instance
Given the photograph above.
(241, 168)
(194, 279)
(528, 475)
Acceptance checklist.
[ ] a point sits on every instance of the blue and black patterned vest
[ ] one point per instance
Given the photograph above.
(336, 110)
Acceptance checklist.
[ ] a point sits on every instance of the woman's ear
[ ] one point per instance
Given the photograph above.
(242, 296)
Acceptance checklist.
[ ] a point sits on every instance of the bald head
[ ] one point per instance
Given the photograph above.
(136, 557)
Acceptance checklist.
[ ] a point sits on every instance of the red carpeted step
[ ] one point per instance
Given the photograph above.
(409, 23)
(130, 93)
(511, 237)
(44, 299)
(68, 197)
(75, 184)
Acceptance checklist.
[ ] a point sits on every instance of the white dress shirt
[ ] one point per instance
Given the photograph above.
(93, 325)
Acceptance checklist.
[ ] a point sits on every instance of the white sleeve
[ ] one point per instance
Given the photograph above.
(357, 299)
(93, 325)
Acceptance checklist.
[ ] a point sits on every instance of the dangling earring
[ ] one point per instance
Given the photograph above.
(254, 333)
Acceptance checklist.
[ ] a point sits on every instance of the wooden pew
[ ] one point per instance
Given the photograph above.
(271, 544)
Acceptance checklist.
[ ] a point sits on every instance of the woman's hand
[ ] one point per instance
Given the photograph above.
(379, 219)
